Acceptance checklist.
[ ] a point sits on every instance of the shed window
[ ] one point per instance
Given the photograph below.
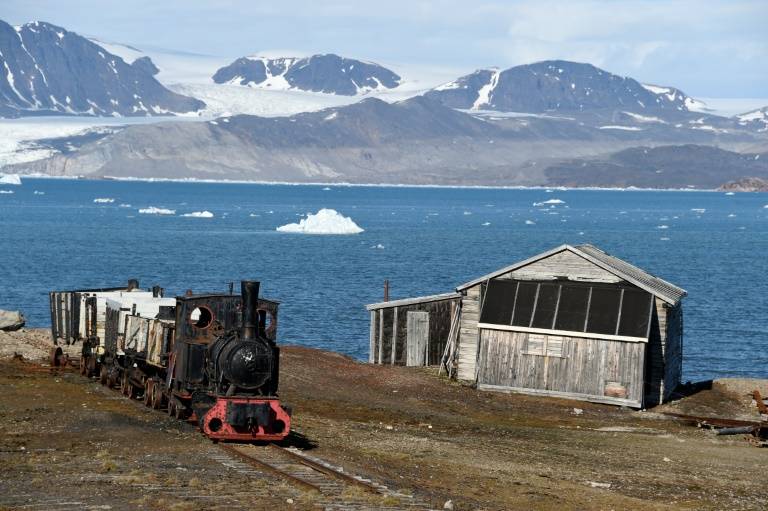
(498, 298)
(635, 313)
(604, 310)
(572, 311)
(544, 317)
(523, 306)
(568, 307)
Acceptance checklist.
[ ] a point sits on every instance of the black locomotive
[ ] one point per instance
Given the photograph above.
(212, 358)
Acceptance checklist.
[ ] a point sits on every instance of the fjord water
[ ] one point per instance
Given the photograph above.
(424, 240)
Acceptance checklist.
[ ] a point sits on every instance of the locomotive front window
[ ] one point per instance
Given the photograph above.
(201, 317)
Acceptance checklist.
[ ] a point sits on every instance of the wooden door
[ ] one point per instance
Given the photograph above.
(417, 338)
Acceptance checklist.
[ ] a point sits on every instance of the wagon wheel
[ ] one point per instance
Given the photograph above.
(172, 407)
(91, 366)
(124, 384)
(103, 375)
(180, 412)
(157, 396)
(149, 385)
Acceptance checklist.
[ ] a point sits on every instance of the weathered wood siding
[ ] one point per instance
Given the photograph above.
(610, 371)
(386, 332)
(673, 359)
(469, 333)
(656, 356)
(564, 264)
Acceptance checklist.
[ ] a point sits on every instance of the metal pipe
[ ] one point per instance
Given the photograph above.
(249, 290)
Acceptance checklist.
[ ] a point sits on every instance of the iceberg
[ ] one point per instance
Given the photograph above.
(157, 211)
(6, 192)
(104, 200)
(325, 221)
(550, 201)
(10, 179)
(199, 214)
(530, 222)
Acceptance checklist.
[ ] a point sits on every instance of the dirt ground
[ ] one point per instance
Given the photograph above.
(69, 443)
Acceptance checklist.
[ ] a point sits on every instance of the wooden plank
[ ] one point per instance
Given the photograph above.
(372, 340)
(394, 337)
(569, 333)
(417, 338)
(380, 314)
(413, 301)
(565, 395)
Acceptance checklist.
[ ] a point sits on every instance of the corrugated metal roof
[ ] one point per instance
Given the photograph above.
(413, 301)
(622, 269)
(659, 287)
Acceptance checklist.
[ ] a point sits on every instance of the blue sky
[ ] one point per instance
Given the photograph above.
(707, 48)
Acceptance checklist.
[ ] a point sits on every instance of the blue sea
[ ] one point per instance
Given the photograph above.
(423, 240)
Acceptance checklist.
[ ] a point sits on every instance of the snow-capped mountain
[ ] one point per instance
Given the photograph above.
(757, 119)
(559, 86)
(49, 70)
(328, 73)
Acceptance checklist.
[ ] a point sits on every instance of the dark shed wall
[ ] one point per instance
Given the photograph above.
(440, 312)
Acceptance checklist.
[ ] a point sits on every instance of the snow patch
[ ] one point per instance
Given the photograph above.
(199, 214)
(152, 210)
(484, 94)
(325, 221)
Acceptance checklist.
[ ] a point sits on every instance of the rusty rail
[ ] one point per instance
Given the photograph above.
(329, 471)
(252, 460)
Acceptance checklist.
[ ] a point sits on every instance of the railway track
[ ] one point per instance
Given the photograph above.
(328, 486)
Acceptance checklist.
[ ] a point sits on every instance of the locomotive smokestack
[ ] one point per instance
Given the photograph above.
(249, 290)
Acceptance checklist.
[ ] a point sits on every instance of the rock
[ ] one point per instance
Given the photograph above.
(11, 320)
(595, 484)
(747, 184)
(577, 411)
(448, 505)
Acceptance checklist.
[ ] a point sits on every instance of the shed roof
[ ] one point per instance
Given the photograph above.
(413, 301)
(622, 269)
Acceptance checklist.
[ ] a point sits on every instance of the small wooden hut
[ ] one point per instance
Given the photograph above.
(571, 322)
(413, 331)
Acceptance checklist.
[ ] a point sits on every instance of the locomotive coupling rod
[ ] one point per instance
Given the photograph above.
(326, 470)
(270, 468)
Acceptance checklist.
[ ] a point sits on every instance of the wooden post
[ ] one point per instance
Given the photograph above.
(381, 335)
(372, 340)
(386, 290)
(394, 337)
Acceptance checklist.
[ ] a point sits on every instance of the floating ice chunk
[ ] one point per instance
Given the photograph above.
(152, 210)
(530, 222)
(765, 207)
(698, 210)
(548, 191)
(664, 239)
(104, 200)
(663, 226)
(467, 213)
(6, 192)
(730, 193)
(486, 224)
(10, 179)
(326, 189)
(198, 214)
(254, 215)
(550, 201)
(124, 206)
(378, 246)
(37, 192)
(325, 221)
(731, 216)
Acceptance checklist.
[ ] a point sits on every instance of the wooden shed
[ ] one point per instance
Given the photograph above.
(572, 322)
(412, 331)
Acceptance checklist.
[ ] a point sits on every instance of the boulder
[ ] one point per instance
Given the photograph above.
(11, 320)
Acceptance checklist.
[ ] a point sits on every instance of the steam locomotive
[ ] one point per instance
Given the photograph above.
(210, 358)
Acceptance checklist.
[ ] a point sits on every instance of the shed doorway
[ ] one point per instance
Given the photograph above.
(417, 338)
